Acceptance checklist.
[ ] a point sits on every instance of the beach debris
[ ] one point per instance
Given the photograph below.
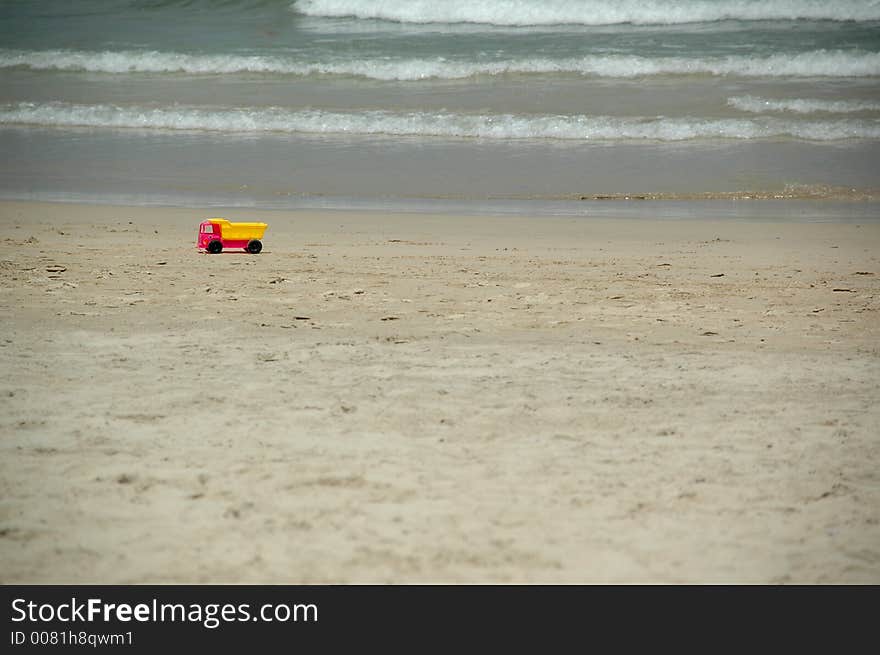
(55, 268)
(358, 292)
(709, 333)
(717, 275)
(844, 290)
(302, 318)
(391, 318)
(821, 309)
(277, 280)
(125, 478)
(161, 263)
(617, 196)
(615, 297)
(863, 273)
(837, 489)
(664, 264)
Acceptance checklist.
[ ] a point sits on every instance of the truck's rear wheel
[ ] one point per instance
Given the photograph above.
(214, 247)
(254, 246)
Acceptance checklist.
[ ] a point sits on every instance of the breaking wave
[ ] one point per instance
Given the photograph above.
(818, 63)
(431, 124)
(588, 12)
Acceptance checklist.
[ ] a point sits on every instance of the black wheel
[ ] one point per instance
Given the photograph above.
(214, 247)
(254, 246)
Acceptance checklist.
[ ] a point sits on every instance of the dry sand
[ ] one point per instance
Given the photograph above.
(395, 398)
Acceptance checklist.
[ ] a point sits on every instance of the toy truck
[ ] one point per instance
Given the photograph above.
(215, 234)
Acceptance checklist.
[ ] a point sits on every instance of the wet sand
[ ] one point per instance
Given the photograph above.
(423, 398)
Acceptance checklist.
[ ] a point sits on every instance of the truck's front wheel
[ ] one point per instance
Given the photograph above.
(214, 247)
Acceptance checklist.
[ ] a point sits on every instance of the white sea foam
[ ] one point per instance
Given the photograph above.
(758, 105)
(133, 61)
(818, 63)
(499, 126)
(589, 12)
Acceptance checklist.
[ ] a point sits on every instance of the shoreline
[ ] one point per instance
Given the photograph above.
(417, 397)
(358, 173)
(824, 205)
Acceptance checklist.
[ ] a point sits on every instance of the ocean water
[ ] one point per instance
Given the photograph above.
(328, 102)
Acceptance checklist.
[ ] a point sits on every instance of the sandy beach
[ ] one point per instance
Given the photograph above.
(436, 398)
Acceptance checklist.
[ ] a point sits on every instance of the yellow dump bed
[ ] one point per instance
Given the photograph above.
(240, 231)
